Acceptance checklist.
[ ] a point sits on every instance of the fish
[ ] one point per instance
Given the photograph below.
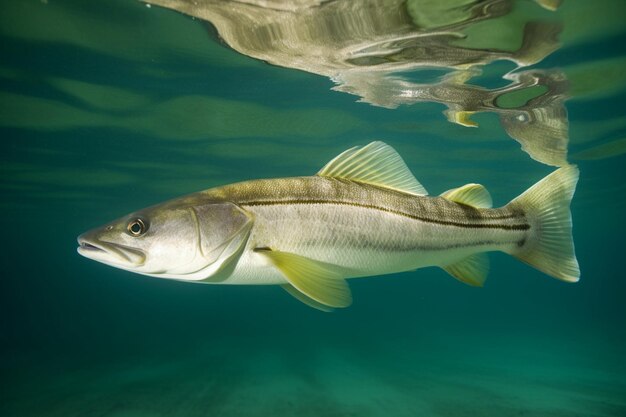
(363, 214)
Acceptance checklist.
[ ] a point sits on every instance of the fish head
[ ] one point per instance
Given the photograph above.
(178, 240)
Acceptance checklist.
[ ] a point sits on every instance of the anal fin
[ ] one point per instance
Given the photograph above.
(472, 270)
(318, 281)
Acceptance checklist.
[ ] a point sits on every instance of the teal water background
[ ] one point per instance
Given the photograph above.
(108, 107)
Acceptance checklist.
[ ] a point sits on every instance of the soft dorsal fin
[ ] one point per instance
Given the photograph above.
(376, 164)
(323, 283)
(474, 195)
(472, 270)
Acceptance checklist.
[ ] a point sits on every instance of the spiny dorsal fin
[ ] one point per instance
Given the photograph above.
(474, 195)
(471, 270)
(376, 164)
(318, 281)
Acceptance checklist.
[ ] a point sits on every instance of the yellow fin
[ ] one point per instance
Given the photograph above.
(550, 247)
(319, 281)
(471, 270)
(461, 117)
(376, 164)
(551, 5)
(474, 195)
(305, 299)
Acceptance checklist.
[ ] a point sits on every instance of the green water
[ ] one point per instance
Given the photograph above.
(108, 107)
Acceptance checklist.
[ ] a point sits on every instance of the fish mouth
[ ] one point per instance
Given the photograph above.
(110, 253)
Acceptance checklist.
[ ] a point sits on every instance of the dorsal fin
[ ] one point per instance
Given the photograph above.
(474, 195)
(376, 164)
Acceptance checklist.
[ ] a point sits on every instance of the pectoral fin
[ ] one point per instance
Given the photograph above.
(316, 280)
(471, 270)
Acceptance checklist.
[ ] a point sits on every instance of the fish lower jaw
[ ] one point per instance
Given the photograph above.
(90, 250)
(110, 254)
(86, 246)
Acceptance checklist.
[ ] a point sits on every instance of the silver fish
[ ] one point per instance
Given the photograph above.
(363, 214)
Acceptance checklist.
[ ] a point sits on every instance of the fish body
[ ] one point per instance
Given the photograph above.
(363, 214)
(363, 229)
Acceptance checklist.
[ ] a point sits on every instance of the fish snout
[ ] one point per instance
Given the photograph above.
(106, 252)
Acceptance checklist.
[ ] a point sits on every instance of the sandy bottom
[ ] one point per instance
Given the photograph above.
(311, 378)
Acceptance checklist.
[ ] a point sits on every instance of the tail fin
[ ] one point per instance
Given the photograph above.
(550, 247)
(540, 40)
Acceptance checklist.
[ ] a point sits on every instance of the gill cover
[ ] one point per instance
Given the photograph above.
(223, 230)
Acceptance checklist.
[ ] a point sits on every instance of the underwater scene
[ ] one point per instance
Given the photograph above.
(464, 159)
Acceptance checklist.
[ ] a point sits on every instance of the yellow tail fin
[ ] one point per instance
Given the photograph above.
(550, 248)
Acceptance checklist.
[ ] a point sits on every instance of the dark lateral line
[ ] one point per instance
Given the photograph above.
(386, 210)
(413, 248)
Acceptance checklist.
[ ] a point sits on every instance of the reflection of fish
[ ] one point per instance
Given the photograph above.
(537, 119)
(332, 37)
(428, 14)
(540, 124)
(438, 50)
(362, 214)
(365, 45)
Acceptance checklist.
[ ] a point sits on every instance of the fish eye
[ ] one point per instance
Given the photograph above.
(136, 227)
